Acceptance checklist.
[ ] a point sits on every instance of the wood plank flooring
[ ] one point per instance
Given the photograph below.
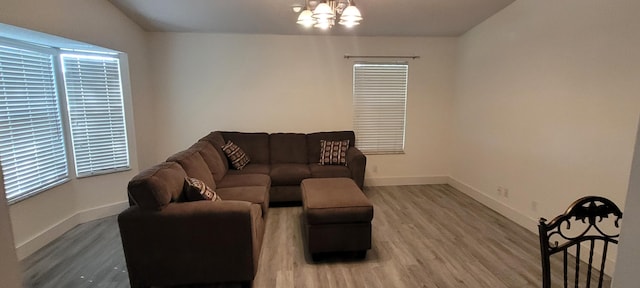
(423, 236)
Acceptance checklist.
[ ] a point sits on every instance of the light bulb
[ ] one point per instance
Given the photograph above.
(348, 24)
(305, 18)
(323, 24)
(351, 13)
(323, 11)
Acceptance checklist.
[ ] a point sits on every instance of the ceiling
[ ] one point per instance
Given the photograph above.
(381, 17)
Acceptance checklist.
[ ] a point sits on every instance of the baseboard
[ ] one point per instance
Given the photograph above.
(502, 208)
(32, 245)
(400, 181)
(517, 217)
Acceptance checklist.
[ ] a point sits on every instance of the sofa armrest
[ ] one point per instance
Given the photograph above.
(192, 242)
(357, 162)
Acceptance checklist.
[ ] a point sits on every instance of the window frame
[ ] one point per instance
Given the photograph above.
(63, 111)
(68, 117)
(369, 148)
(59, 102)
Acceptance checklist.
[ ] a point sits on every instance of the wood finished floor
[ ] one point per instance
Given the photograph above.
(423, 236)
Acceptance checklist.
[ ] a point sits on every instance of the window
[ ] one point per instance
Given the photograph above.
(96, 113)
(32, 147)
(379, 101)
(33, 125)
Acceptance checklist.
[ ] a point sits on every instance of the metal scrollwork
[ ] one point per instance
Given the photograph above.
(582, 225)
(591, 211)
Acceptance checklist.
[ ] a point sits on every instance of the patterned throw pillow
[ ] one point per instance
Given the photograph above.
(236, 156)
(333, 152)
(196, 190)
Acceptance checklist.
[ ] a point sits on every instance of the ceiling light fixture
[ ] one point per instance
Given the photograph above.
(323, 14)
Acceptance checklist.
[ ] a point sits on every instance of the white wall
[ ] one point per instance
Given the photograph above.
(40, 219)
(271, 83)
(547, 105)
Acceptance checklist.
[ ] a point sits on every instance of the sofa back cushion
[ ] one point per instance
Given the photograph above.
(256, 145)
(216, 139)
(313, 142)
(194, 165)
(155, 187)
(288, 148)
(215, 162)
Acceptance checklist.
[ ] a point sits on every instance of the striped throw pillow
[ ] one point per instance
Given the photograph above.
(236, 156)
(333, 152)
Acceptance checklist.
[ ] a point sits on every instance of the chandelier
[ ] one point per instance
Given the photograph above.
(323, 14)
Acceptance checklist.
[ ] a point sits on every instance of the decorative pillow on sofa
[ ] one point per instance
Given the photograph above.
(196, 190)
(333, 152)
(236, 156)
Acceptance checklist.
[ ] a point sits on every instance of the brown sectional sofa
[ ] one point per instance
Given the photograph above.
(288, 158)
(169, 241)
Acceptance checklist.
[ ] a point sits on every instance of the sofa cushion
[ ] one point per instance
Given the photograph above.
(216, 139)
(254, 194)
(244, 180)
(155, 187)
(329, 171)
(195, 190)
(333, 152)
(313, 142)
(288, 148)
(194, 165)
(289, 174)
(251, 168)
(214, 160)
(256, 145)
(236, 155)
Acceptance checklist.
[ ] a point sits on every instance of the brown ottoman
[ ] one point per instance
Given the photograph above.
(337, 216)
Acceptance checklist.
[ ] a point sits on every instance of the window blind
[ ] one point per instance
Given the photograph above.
(379, 101)
(96, 113)
(32, 148)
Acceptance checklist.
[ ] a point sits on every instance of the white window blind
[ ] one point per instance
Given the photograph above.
(32, 148)
(379, 101)
(96, 113)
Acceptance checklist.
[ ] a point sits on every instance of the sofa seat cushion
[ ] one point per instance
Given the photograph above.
(329, 171)
(289, 174)
(251, 168)
(237, 180)
(254, 194)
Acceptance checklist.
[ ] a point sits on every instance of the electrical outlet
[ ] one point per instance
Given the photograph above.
(503, 191)
(534, 206)
(375, 169)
